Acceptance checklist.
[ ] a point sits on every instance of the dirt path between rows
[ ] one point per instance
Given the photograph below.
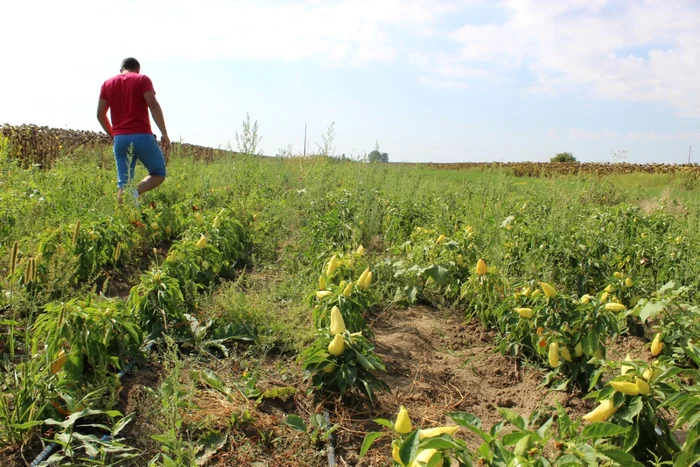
(436, 364)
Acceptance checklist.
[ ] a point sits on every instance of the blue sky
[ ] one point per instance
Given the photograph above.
(430, 80)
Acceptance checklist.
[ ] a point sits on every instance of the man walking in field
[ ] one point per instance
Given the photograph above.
(129, 95)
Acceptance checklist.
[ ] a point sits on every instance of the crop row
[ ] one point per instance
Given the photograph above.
(69, 353)
(32, 144)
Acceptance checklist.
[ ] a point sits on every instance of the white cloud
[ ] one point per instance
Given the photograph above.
(642, 51)
(363, 30)
(418, 59)
(656, 137)
(443, 83)
(590, 135)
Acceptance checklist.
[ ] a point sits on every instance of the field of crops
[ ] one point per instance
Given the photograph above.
(311, 311)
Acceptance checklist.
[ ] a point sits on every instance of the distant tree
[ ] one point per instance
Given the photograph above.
(563, 157)
(377, 156)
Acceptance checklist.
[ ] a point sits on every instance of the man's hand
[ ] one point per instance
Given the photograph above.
(102, 108)
(165, 145)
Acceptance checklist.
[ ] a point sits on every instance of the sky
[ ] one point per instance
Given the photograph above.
(429, 80)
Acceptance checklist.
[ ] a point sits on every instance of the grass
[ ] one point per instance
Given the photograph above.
(300, 211)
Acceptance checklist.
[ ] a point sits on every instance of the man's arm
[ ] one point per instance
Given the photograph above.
(157, 114)
(102, 108)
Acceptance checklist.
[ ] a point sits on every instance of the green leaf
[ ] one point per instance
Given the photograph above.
(438, 273)
(560, 386)
(523, 445)
(409, 448)
(595, 376)
(295, 422)
(27, 425)
(512, 417)
(512, 438)
(689, 455)
(212, 442)
(439, 442)
(121, 424)
(370, 438)
(435, 460)
(384, 422)
(363, 361)
(472, 422)
(631, 438)
(413, 295)
(564, 424)
(686, 410)
(632, 409)
(495, 429)
(618, 455)
(542, 431)
(72, 419)
(568, 460)
(591, 342)
(213, 380)
(599, 430)
(651, 309)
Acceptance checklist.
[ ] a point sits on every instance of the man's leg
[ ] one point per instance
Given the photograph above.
(152, 158)
(149, 183)
(120, 157)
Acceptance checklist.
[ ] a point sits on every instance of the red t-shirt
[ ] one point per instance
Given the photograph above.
(128, 108)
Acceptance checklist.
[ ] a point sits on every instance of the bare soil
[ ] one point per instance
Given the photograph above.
(436, 364)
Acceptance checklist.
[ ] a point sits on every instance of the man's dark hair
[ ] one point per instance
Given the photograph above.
(130, 64)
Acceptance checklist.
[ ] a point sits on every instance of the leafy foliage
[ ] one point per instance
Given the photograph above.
(563, 157)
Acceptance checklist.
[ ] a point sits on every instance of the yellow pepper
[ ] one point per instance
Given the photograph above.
(403, 422)
(481, 268)
(347, 290)
(57, 365)
(565, 353)
(602, 412)
(337, 346)
(424, 457)
(432, 432)
(554, 354)
(395, 454)
(363, 277)
(337, 323)
(332, 266)
(656, 345)
(548, 290)
(642, 385)
(631, 389)
(524, 312)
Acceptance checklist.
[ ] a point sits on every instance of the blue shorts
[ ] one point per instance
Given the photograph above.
(145, 149)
